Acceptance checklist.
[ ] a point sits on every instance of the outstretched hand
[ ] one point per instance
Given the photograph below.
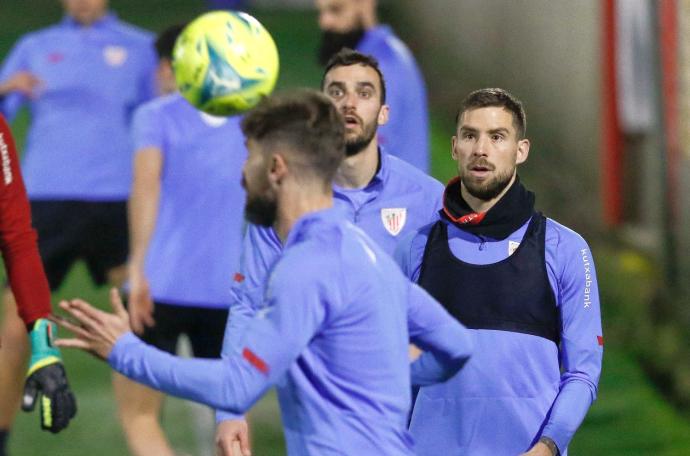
(96, 331)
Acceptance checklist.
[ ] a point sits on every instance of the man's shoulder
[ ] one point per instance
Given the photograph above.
(312, 256)
(132, 33)
(563, 238)
(387, 47)
(161, 103)
(404, 174)
(45, 34)
(156, 110)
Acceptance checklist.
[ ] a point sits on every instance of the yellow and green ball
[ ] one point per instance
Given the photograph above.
(225, 62)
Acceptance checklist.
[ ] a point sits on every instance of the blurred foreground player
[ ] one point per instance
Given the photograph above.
(354, 24)
(333, 332)
(524, 284)
(46, 382)
(185, 236)
(381, 194)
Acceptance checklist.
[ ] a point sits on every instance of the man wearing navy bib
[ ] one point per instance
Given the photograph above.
(523, 283)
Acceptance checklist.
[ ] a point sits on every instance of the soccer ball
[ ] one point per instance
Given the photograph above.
(225, 62)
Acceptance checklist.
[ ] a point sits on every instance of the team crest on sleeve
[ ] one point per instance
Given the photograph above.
(114, 56)
(394, 219)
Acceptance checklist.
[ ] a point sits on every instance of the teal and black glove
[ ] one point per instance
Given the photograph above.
(46, 380)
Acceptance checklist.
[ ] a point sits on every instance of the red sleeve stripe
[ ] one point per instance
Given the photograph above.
(600, 340)
(255, 361)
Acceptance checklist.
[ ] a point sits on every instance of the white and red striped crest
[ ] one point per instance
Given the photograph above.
(394, 219)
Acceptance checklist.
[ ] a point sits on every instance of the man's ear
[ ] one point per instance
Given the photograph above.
(383, 115)
(277, 169)
(522, 151)
(453, 143)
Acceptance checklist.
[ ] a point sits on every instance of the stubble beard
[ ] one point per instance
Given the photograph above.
(260, 211)
(360, 142)
(489, 189)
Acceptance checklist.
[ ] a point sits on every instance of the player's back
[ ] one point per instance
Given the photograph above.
(349, 391)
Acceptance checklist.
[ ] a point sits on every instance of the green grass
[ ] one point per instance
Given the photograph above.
(630, 418)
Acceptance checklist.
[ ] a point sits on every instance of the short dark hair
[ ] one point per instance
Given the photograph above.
(165, 41)
(348, 57)
(305, 121)
(494, 97)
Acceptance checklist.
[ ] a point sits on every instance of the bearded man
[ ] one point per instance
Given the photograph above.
(525, 286)
(354, 24)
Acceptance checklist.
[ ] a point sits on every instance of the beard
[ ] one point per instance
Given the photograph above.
(333, 42)
(355, 145)
(489, 189)
(260, 210)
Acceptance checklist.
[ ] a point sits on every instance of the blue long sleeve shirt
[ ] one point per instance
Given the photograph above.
(398, 200)
(332, 335)
(516, 387)
(407, 132)
(92, 79)
(201, 197)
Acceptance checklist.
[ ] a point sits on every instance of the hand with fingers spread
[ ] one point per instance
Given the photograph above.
(97, 330)
(232, 438)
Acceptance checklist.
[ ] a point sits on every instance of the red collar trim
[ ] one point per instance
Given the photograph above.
(473, 218)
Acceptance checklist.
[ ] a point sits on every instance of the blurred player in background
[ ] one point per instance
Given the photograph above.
(337, 314)
(526, 287)
(383, 195)
(226, 4)
(46, 381)
(82, 79)
(354, 24)
(186, 232)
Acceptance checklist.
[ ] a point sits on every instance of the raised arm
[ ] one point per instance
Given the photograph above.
(293, 315)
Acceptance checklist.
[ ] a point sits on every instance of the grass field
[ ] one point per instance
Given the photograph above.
(631, 417)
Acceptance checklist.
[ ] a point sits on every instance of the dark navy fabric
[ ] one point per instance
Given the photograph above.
(510, 295)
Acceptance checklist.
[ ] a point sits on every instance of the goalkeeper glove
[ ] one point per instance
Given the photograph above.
(47, 381)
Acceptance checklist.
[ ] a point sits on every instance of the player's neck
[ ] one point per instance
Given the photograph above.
(86, 22)
(297, 201)
(358, 170)
(480, 205)
(369, 20)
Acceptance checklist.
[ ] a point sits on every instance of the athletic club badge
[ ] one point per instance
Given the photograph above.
(394, 219)
(114, 56)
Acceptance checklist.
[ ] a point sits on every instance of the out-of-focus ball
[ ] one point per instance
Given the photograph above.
(225, 62)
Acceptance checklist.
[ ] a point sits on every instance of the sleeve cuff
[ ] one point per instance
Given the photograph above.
(560, 437)
(122, 344)
(222, 415)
